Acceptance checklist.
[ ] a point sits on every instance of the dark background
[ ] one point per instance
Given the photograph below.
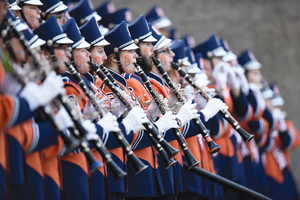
(269, 28)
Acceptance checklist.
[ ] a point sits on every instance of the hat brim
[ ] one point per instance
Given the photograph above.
(34, 2)
(21, 26)
(59, 8)
(94, 14)
(193, 69)
(186, 62)
(277, 101)
(162, 23)
(150, 39)
(267, 94)
(219, 52)
(165, 42)
(64, 40)
(103, 29)
(252, 65)
(39, 42)
(83, 45)
(14, 6)
(230, 56)
(130, 47)
(102, 43)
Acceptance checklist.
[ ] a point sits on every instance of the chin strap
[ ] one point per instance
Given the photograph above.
(116, 52)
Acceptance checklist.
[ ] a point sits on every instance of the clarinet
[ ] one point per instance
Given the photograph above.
(94, 164)
(191, 160)
(136, 162)
(224, 113)
(171, 151)
(213, 147)
(151, 132)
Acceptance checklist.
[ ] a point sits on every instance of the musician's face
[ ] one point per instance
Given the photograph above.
(33, 15)
(81, 58)
(128, 58)
(62, 56)
(208, 68)
(3, 10)
(98, 55)
(147, 52)
(18, 50)
(165, 32)
(254, 76)
(61, 17)
(165, 55)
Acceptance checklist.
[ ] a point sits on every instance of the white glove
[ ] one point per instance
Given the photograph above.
(240, 75)
(232, 81)
(166, 122)
(37, 95)
(200, 101)
(187, 112)
(52, 86)
(201, 79)
(153, 111)
(277, 114)
(63, 119)
(134, 118)
(89, 110)
(220, 75)
(91, 129)
(109, 123)
(212, 107)
(118, 110)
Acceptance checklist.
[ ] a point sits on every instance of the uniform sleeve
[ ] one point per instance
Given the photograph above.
(13, 110)
(242, 109)
(215, 125)
(43, 136)
(268, 116)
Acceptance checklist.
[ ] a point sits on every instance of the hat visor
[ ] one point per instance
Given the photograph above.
(252, 65)
(162, 23)
(103, 30)
(165, 42)
(94, 14)
(193, 69)
(83, 45)
(39, 42)
(64, 40)
(102, 43)
(21, 27)
(150, 39)
(219, 52)
(34, 2)
(15, 7)
(277, 101)
(267, 94)
(59, 8)
(230, 56)
(130, 47)
(186, 62)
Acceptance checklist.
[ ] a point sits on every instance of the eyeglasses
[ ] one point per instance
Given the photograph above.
(168, 51)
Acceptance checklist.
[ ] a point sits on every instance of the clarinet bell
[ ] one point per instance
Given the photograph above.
(94, 164)
(212, 146)
(191, 160)
(167, 161)
(244, 134)
(137, 164)
(117, 172)
(171, 151)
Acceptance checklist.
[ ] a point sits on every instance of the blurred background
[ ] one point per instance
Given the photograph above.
(269, 28)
